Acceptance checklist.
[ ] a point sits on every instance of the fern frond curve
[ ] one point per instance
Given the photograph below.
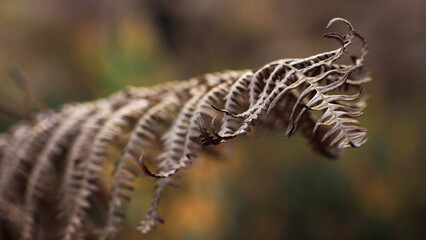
(316, 95)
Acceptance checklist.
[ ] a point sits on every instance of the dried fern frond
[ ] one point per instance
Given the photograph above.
(57, 157)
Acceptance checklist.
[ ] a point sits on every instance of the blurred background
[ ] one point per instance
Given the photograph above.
(268, 188)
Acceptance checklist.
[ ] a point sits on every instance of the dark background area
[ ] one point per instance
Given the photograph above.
(268, 188)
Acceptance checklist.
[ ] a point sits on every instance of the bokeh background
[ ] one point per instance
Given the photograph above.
(267, 188)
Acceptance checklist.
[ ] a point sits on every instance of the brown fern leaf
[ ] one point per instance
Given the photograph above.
(177, 141)
(111, 131)
(177, 153)
(15, 138)
(56, 158)
(147, 131)
(21, 163)
(71, 181)
(141, 137)
(44, 174)
(306, 74)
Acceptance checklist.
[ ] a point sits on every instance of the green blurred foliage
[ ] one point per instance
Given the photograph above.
(268, 188)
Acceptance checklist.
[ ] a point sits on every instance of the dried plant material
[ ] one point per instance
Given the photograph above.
(57, 157)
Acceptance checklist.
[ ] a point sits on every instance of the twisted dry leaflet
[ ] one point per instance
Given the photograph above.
(56, 157)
